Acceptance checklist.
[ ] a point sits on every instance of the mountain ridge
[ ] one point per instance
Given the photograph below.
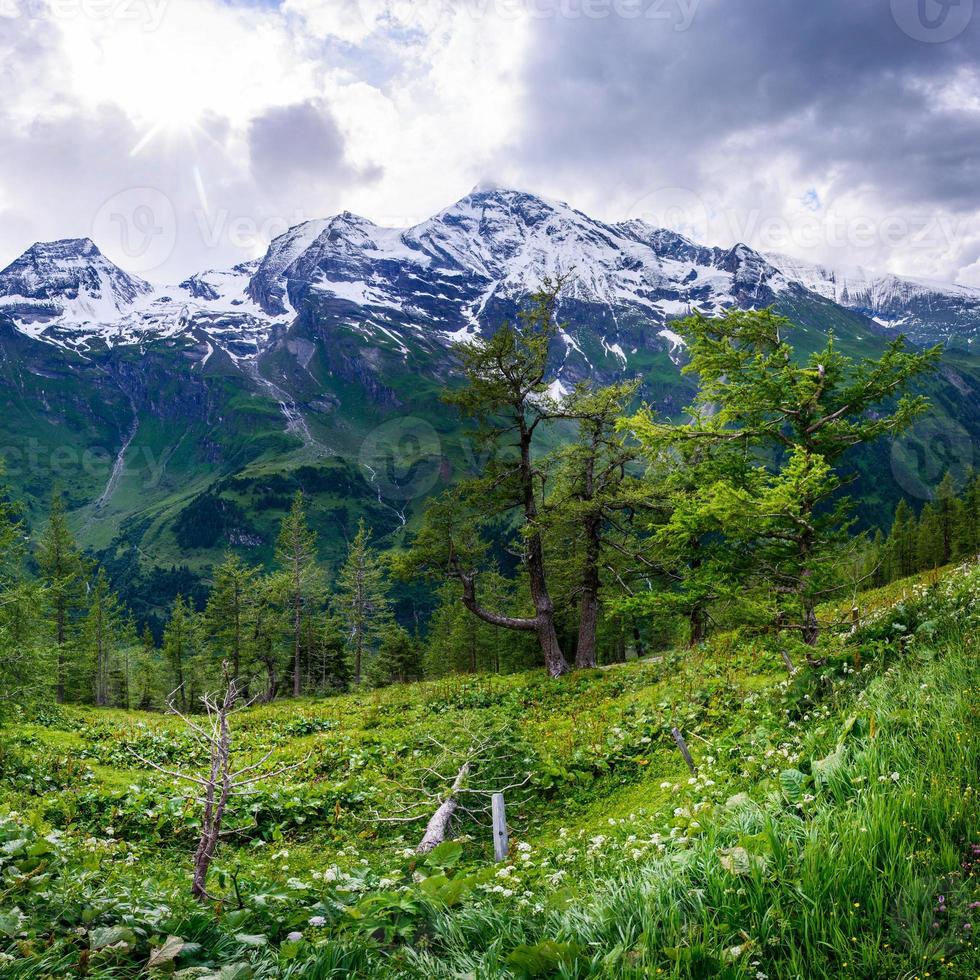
(441, 275)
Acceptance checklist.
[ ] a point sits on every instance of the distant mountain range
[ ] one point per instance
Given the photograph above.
(199, 406)
(444, 276)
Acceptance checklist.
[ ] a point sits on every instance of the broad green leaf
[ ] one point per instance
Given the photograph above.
(167, 953)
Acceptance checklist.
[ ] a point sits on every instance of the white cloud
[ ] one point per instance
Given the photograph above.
(185, 101)
(827, 135)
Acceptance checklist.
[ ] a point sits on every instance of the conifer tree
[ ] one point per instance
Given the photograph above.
(461, 643)
(361, 602)
(104, 633)
(806, 414)
(694, 561)
(930, 545)
(180, 650)
(63, 577)
(23, 663)
(903, 541)
(946, 516)
(230, 612)
(329, 663)
(267, 629)
(968, 519)
(507, 395)
(593, 490)
(142, 686)
(296, 556)
(398, 659)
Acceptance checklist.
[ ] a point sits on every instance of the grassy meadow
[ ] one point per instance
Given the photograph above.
(831, 828)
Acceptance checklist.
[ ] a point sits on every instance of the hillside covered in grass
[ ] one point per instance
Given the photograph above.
(830, 830)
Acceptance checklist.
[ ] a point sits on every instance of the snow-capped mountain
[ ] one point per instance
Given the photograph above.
(497, 245)
(68, 281)
(464, 269)
(926, 310)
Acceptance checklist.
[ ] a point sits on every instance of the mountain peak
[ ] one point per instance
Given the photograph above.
(60, 249)
(69, 278)
(488, 186)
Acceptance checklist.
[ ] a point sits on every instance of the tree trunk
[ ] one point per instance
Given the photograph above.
(699, 625)
(437, 829)
(272, 681)
(585, 650)
(637, 640)
(811, 628)
(297, 658)
(554, 659)
(214, 810)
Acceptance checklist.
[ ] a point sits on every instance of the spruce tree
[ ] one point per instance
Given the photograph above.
(361, 602)
(63, 578)
(297, 557)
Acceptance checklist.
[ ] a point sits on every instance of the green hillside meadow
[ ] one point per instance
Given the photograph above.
(831, 828)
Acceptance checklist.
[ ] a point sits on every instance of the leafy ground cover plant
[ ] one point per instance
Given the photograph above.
(831, 829)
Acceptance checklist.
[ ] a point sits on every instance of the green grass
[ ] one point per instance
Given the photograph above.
(832, 829)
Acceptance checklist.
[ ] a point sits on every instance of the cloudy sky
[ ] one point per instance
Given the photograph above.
(184, 134)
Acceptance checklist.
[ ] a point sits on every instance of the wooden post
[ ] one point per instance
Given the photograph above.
(501, 844)
(682, 745)
(789, 663)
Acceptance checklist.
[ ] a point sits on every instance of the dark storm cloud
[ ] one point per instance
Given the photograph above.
(836, 85)
(301, 143)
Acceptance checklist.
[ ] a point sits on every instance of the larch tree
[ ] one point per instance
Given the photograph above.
(104, 633)
(593, 491)
(180, 650)
(693, 563)
(296, 555)
(268, 626)
(230, 613)
(804, 415)
(507, 394)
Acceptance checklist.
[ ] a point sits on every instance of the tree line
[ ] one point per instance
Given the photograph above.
(595, 530)
(946, 529)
